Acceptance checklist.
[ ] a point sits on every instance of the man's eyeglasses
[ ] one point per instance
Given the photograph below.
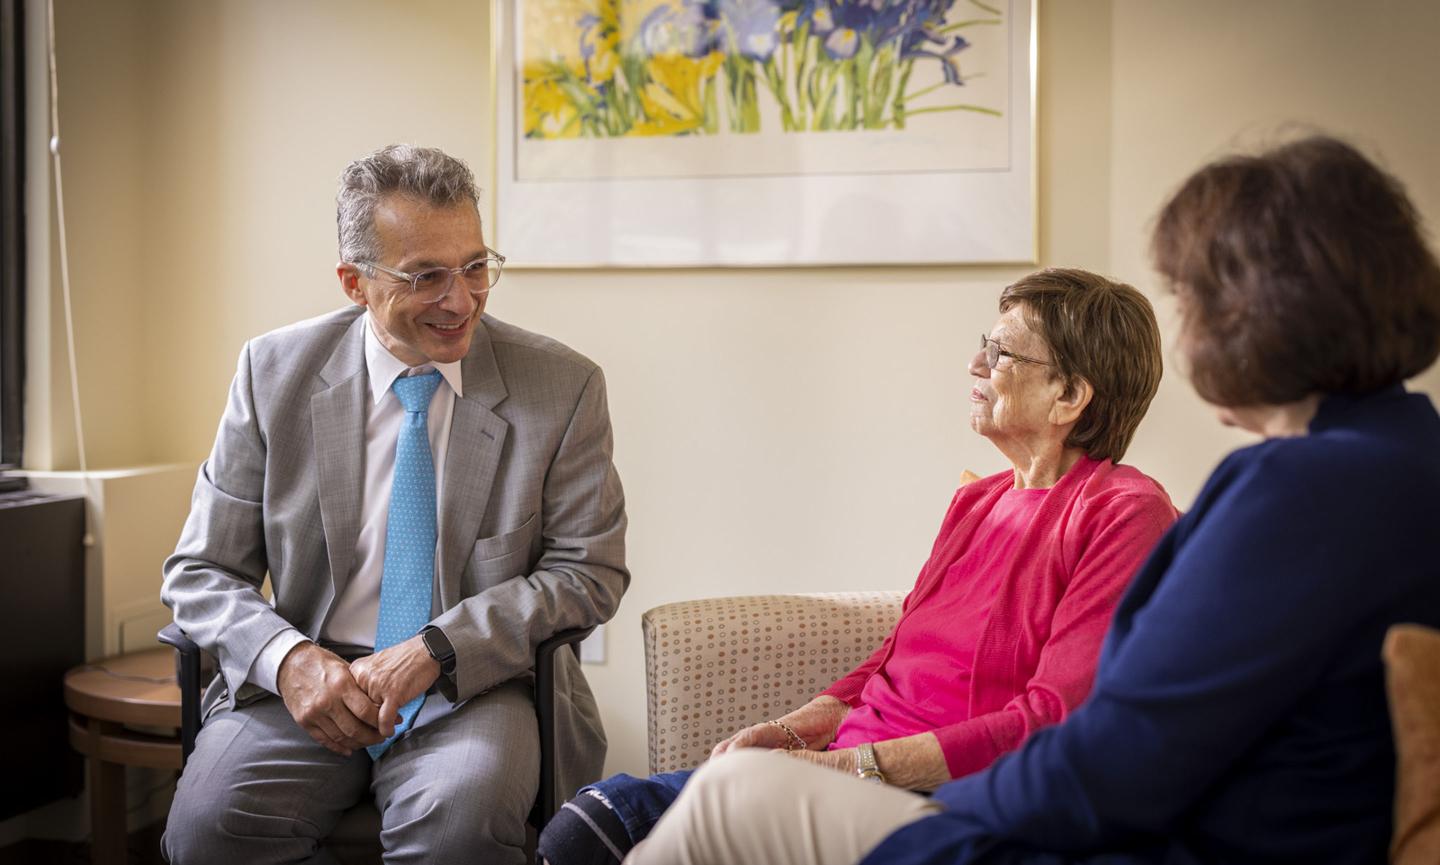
(433, 284)
(993, 353)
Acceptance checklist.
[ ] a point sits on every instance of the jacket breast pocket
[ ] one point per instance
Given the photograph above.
(501, 557)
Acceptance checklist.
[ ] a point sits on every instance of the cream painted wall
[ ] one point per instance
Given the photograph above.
(259, 106)
(777, 430)
(1195, 80)
(101, 111)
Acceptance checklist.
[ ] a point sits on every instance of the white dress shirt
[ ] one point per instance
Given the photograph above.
(352, 618)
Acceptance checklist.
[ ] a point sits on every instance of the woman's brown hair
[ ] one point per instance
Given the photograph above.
(1103, 332)
(1301, 270)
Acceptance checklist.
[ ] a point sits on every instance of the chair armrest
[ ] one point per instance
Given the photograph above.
(545, 804)
(187, 675)
(1412, 683)
(713, 666)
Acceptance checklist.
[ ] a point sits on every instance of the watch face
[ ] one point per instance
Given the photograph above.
(435, 645)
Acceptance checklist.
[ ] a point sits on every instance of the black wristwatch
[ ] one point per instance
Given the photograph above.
(439, 647)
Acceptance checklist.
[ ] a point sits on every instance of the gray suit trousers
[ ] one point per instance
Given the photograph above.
(258, 790)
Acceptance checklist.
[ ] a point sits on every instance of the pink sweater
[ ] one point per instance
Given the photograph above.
(1034, 655)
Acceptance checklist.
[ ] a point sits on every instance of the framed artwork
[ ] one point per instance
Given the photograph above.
(701, 133)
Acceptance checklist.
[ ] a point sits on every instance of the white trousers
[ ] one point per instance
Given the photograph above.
(755, 806)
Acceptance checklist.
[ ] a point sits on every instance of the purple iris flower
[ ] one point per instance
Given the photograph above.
(753, 26)
(915, 45)
(821, 18)
(914, 24)
(923, 37)
(842, 43)
(688, 29)
(589, 23)
(844, 23)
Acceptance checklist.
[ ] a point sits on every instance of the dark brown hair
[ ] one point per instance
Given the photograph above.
(1103, 332)
(1301, 270)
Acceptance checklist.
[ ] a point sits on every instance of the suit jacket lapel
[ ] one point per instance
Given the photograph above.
(337, 417)
(477, 438)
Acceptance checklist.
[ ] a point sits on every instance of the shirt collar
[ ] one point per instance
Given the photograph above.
(385, 367)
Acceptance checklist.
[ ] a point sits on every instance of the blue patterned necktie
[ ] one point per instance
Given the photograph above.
(409, 574)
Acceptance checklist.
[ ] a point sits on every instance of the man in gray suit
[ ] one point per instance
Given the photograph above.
(489, 508)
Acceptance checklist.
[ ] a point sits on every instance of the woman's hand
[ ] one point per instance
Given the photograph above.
(843, 759)
(815, 722)
(764, 735)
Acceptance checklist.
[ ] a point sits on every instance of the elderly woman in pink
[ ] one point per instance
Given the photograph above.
(1001, 633)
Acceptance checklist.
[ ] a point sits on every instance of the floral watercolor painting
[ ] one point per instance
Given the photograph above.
(703, 133)
(601, 69)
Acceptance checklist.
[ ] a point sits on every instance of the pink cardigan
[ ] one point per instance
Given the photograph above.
(1035, 659)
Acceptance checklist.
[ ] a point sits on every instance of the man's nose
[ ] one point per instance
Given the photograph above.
(458, 298)
(978, 367)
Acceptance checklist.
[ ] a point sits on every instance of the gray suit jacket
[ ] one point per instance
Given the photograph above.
(532, 522)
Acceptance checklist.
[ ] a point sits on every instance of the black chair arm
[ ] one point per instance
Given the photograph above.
(187, 675)
(545, 803)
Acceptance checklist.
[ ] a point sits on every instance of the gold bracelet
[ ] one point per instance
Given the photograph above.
(793, 741)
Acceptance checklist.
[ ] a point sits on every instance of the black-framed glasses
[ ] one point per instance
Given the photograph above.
(993, 352)
(433, 284)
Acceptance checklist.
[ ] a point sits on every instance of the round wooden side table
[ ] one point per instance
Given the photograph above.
(108, 699)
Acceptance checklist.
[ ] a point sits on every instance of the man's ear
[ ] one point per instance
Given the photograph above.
(1071, 402)
(350, 276)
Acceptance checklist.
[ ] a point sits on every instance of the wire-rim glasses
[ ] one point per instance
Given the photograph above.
(993, 352)
(433, 284)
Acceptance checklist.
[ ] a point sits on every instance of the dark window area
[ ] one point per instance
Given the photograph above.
(12, 232)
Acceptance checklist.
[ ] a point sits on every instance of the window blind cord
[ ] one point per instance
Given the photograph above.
(65, 259)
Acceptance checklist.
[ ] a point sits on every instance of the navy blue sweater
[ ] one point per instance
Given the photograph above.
(1239, 709)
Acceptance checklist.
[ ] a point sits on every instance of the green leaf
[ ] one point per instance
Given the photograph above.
(975, 108)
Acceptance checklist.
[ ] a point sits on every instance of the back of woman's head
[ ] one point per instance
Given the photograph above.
(1301, 270)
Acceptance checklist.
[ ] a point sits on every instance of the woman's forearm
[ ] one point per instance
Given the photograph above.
(914, 762)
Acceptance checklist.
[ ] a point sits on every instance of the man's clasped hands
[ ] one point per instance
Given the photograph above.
(348, 705)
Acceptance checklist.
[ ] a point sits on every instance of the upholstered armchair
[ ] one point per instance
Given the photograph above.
(716, 665)
(713, 666)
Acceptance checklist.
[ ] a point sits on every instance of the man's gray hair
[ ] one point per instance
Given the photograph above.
(424, 173)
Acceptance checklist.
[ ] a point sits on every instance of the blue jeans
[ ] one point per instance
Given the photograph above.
(641, 802)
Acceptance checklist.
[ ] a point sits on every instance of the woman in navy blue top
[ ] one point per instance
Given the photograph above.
(1239, 711)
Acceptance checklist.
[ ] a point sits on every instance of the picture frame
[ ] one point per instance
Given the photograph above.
(664, 133)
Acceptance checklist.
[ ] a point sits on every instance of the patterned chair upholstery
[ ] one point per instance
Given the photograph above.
(716, 665)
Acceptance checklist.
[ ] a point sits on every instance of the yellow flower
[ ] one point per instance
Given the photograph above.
(674, 100)
(549, 110)
(600, 40)
(603, 65)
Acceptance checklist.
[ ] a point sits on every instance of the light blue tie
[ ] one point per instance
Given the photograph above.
(409, 575)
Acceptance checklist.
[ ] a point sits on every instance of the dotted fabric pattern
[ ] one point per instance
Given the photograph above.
(407, 580)
(713, 666)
